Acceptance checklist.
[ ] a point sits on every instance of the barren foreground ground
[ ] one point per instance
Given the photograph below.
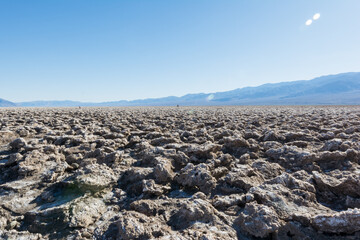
(180, 173)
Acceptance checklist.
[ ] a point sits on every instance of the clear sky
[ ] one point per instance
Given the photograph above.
(89, 50)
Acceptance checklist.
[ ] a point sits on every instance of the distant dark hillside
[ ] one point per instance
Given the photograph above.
(336, 89)
(4, 103)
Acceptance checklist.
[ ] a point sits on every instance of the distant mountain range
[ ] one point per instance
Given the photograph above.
(4, 103)
(339, 89)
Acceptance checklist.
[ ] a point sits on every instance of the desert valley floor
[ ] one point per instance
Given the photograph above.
(180, 173)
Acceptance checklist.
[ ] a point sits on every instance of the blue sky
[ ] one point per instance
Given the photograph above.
(88, 50)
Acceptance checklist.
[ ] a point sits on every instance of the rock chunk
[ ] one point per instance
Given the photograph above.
(17, 144)
(196, 176)
(134, 225)
(341, 222)
(94, 178)
(259, 220)
(86, 211)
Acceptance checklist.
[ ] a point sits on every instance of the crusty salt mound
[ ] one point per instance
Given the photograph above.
(180, 173)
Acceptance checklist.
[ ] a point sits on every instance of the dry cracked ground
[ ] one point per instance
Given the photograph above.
(180, 173)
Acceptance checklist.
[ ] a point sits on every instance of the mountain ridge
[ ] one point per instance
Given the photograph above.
(335, 89)
(5, 103)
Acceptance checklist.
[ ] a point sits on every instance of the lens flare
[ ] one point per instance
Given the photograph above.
(308, 22)
(316, 16)
(210, 97)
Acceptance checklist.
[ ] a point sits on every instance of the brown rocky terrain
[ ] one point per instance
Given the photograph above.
(180, 173)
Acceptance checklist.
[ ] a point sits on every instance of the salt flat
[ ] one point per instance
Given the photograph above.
(180, 173)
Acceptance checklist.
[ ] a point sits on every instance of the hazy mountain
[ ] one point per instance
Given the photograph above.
(4, 103)
(332, 89)
(54, 104)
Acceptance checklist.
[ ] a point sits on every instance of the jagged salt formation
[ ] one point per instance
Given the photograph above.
(180, 173)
